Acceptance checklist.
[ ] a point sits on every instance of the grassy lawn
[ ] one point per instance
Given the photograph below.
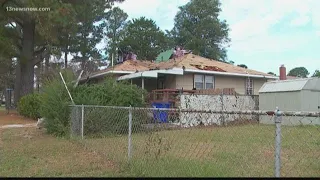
(238, 151)
(29, 152)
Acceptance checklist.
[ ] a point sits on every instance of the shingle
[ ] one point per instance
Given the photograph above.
(189, 61)
(129, 65)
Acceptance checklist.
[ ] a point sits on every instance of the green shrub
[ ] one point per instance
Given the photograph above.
(100, 121)
(128, 95)
(110, 93)
(57, 112)
(55, 103)
(29, 105)
(103, 121)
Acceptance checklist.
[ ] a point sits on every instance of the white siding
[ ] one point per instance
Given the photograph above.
(286, 101)
(184, 81)
(310, 100)
(290, 101)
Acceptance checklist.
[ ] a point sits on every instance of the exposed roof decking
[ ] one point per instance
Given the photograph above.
(189, 62)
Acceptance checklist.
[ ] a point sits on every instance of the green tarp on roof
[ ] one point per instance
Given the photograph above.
(164, 56)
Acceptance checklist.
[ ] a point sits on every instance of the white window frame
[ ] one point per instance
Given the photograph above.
(203, 81)
(207, 81)
(249, 86)
(196, 77)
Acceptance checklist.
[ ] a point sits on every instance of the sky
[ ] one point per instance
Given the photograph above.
(264, 33)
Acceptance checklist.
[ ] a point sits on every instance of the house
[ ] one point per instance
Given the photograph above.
(187, 72)
(302, 94)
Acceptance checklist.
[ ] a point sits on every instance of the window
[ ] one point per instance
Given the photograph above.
(203, 82)
(249, 86)
(209, 82)
(198, 81)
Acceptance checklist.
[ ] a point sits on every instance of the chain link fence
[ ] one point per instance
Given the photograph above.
(157, 142)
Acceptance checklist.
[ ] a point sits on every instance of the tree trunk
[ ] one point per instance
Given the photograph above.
(46, 63)
(39, 75)
(83, 64)
(25, 69)
(66, 58)
(17, 84)
(27, 79)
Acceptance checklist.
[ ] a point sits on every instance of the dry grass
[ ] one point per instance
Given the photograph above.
(237, 151)
(28, 152)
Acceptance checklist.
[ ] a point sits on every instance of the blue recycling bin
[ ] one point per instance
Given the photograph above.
(158, 115)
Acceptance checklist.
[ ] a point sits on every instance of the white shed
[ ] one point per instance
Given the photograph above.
(291, 95)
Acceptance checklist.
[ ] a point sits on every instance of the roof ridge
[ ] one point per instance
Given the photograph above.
(227, 64)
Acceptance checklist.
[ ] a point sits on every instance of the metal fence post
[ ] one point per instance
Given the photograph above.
(72, 121)
(129, 135)
(82, 120)
(75, 121)
(277, 120)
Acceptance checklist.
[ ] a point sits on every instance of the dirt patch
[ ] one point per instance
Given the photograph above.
(13, 118)
(18, 126)
(268, 153)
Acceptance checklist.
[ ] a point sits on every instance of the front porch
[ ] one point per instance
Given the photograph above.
(154, 80)
(163, 93)
(158, 91)
(161, 86)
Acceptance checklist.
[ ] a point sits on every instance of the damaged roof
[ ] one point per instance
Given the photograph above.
(191, 61)
(188, 61)
(164, 56)
(129, 65)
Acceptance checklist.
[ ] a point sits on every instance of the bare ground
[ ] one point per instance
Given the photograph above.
(13, 118)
